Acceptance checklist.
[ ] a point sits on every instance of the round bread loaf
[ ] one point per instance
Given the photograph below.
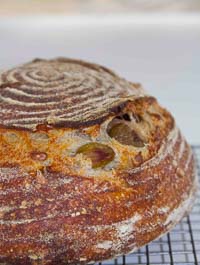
(91, 166)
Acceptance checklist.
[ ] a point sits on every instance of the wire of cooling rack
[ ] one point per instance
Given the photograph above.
(179, 247)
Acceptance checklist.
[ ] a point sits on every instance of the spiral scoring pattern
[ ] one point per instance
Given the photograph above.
(61, 92)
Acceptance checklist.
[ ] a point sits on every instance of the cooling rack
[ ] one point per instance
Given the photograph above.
(179, 247)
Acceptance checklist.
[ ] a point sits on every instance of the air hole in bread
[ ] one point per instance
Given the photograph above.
(125, 128)
(99, 154)
(126, 117)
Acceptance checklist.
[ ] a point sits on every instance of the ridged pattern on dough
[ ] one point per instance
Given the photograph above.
(61, 92)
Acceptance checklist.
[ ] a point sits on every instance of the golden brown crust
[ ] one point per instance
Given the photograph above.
(56, 207)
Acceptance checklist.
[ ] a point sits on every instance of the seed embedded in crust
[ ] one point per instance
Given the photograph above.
(39, 137)
(125, 135)
(100, 154)
(40, 156)
(11, 137)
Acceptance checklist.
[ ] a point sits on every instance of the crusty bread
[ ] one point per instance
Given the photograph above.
(91, 166)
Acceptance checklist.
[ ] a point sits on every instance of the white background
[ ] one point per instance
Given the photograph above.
(162, 53)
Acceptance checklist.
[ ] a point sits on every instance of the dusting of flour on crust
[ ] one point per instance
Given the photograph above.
(105, 244)
(124, 232)
(177, 213)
